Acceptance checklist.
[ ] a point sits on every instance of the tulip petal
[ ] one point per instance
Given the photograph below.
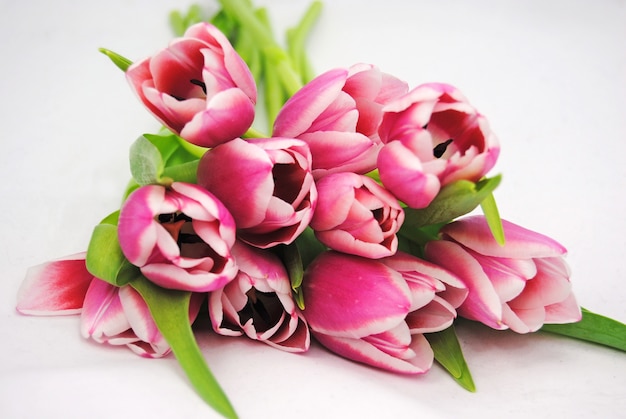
(520, 242)
(55, 288)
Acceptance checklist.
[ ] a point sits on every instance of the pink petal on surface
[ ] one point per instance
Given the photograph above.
(55, 288)
(102, 316)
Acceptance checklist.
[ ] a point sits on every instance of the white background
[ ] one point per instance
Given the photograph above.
(549, 75)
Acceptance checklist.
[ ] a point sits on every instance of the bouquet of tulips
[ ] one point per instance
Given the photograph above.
(349, 223)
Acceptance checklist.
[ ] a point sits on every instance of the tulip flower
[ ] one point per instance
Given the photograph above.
(258, 303)
(376, 311)
(199, 87)
(117, 316)
(356, 215)
(520, 285)
(180, 237)
(433, 137)
(266, 184)
(337, 114)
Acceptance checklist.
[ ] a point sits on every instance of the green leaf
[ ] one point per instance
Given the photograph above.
(105, 259)
(448, 353)
(290, 256)
(170, 311)
(121, 62)
(146, 163)
(454, 200)
(492, 215)
(593, 328)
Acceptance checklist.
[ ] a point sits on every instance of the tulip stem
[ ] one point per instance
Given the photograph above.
(170, 311)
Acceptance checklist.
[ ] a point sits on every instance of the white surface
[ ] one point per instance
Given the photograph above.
(551, 78)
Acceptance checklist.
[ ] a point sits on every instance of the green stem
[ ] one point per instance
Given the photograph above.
(254, 133)
(296, 38)
(170, 311)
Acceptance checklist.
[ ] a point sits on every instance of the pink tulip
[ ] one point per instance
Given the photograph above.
(337, 114)
(433, 137)
(199, 87)
(520, 285)
(180, 237)
(258, 303)
(266, 184)
(376, 311)
(356, 215)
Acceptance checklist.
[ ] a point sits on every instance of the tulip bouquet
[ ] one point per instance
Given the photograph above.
(354, 222)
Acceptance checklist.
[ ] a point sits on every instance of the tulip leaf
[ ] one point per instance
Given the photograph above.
(146, 162)
(593, 328)
(105, 259)
(448, 353)
(454, 200)
(170, 311)
(492, 215)
(290, 257)
(121, 62)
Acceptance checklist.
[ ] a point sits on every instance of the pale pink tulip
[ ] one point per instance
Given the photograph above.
(180, 237)
(337, 114)
(199, 87)
(258, 303)
(376, 311)
(433, 137)
(520, 285)
(266, 184)
(356, 215)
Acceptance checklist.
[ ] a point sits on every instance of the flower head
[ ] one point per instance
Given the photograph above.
(520, 286)
(337, 114)
(266, 184)
(180, 237)
(376, 311)
(199, 87)
(433, 137)
(356, 215)
(258, 303)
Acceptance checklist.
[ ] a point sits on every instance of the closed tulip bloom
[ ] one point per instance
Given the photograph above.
(199, 87)
(258, 302)
(376, 311)
(266, 184)
(337, 114)
(433, 137)
(520, 285)
(180, 237)
(356, 215)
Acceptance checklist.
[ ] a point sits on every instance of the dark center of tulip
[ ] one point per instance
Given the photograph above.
(180, 227)
(441, 148)
(199, 83)
(264, 308)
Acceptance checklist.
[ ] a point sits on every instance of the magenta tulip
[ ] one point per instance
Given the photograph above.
(376, 311)
(199, 87)
(433, 137)
(520, 285)
(337, 114)
(356, 215)
(258, 303)
(180, 237)
(266, 184)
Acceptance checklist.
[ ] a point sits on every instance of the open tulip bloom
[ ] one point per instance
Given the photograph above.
(348, 224)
